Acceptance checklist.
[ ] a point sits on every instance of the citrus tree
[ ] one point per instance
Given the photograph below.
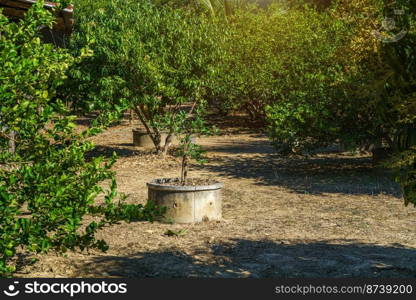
(276, 56)
(155, 60)
(331, 94)
(47, 186)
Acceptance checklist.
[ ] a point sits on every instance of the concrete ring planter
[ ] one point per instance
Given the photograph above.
(187, 204)
(142, 139)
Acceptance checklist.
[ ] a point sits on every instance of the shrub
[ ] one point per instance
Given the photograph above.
(278, 56)
(47, 187)
(335, 100)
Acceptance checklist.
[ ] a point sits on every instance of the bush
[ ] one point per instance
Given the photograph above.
(278, 56)
(153, 59)
(331, 99)
(47, 187)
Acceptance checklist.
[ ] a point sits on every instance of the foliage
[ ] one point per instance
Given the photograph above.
(338, 99)
(155, 66)
(282, 59)
(47, 187)
(390, 57)
(400, 92)
(221, 7)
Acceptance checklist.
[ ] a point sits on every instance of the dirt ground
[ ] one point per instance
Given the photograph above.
(333, 215)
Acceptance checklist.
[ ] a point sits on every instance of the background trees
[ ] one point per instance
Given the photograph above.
(311, 75)
(312, 72)
(334, 100)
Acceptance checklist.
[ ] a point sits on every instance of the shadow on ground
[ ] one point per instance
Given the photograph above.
(260, 147)
(328, 173)
(119, 150)
(263, 259)
(237, 123)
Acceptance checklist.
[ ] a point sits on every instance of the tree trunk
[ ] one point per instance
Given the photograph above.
(131, 117)
(154, 134)
(157, 140)
(12, 142)
(168, 143)
(184, 170)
